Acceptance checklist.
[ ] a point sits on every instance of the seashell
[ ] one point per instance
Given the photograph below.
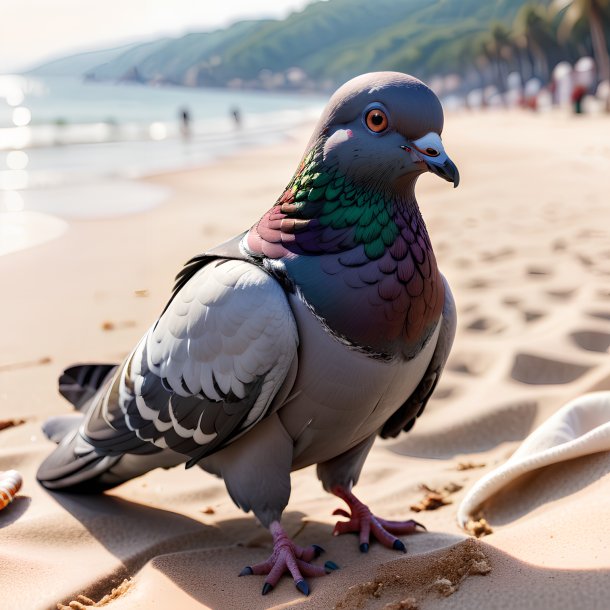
(10, 484)
(580, 427)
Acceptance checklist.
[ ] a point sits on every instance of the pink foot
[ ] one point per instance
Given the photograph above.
(362, 521)
(289, 557)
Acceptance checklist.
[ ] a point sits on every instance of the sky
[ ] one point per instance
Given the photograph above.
(32, 31)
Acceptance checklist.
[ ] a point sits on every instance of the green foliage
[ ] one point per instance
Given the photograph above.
(334, 40)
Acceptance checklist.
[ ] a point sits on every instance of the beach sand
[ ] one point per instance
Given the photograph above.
(525, 244)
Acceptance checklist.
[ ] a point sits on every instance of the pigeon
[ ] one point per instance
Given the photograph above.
(298, 342)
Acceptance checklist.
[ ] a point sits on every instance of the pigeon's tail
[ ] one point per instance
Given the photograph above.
(77, 466)
(79, 383)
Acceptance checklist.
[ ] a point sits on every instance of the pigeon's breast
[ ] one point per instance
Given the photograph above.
(341, 396)
(388, 307)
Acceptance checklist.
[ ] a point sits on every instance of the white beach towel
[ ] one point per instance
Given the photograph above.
(580, 427)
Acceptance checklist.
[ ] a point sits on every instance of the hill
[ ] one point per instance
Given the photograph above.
(326, 43)
(79, 63)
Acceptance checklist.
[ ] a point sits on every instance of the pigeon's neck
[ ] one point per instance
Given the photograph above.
(360, 256)
(323, 211)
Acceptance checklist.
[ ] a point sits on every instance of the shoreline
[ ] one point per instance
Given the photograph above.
(34, 216)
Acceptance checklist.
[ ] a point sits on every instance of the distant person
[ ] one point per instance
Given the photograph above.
(236, 114)
(531, 91)
(185, 122)
(578, 95)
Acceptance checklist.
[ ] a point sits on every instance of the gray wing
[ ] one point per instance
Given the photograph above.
(206, 372)
(404, 418)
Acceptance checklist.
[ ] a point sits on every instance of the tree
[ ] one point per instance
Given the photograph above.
(533, 26)
(596, 13)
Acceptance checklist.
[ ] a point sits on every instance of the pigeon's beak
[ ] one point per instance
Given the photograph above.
(430, 151)
(446, 170)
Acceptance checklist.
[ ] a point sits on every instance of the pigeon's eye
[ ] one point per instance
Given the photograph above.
(376, 120)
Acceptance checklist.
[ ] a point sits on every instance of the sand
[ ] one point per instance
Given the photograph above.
(525, 244)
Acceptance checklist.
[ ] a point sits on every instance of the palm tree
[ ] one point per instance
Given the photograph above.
(596, 13)
(482, 61)
(534, 28)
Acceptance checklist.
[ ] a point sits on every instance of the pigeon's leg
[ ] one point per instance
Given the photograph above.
(338, 476)
(256, 471)
(289, 557)
(363, 522)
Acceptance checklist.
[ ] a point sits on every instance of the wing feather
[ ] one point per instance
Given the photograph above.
(206, 371)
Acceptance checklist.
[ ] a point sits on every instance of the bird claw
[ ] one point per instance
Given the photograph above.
(363, 522)
(291, 558)
(341, 512)
(399, 545)
(318, 550)
(303, 587)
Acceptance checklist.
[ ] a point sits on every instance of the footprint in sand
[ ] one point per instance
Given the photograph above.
(529, 315)
(559, 245)
(511, 301)
(496, 255)
(487, 325)
(538, 272)
(584, 260)
(562, 294)
(532, 316)
(464, 308)
(478, 284)
(591, 340)
(469, 363)
(443, 392)
(536, 370)
(463, 263)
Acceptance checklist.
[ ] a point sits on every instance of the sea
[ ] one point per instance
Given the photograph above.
(74, 149)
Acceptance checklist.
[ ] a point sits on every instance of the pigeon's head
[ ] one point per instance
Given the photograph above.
(384, 128)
